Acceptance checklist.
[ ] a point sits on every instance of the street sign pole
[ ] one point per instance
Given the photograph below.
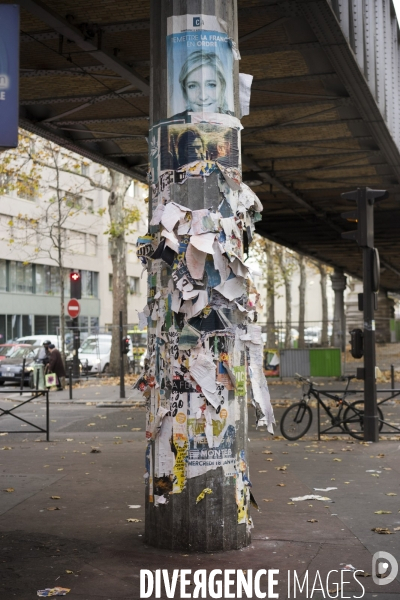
(365, 199)
(122, 355)
(74, 309)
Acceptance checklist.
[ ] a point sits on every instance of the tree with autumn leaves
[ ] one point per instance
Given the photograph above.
(39, 167)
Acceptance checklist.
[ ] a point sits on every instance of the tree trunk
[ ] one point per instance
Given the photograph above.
(119, 186)
(288, 296)
(270, 303)
(324, 300)
(302, 299)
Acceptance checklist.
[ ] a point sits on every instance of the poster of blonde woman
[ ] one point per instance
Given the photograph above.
(200, 67)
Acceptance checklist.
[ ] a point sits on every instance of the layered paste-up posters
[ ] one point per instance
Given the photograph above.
(204, 343)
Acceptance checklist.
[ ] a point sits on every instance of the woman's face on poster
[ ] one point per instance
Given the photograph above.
(203, 90)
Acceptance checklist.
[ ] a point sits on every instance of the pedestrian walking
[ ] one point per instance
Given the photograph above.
(56, 365)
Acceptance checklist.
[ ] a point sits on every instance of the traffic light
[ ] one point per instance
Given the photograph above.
(125, 345)
(364, 215)
(76, 285)
(357, 343)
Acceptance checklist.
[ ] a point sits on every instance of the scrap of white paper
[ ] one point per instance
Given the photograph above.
(203, 242)
(158, 213)
(170, 240)
(311, 497)
(142, 320)
(232, 288)
(195, 260)
(203, 372)
(238, 267)
(221, 262)
(245, 82)
(328, 489)
(175, 301)
(248, 198)
(191, 309)
(172, 214)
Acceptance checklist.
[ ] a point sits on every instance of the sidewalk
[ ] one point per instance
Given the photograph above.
(88, 545)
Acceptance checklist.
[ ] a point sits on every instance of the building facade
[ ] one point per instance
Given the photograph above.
(29, 273)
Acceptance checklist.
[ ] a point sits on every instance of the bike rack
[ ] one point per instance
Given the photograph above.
(393, 394)
(33, 396)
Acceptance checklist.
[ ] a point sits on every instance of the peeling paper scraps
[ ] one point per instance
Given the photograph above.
(232, 175)
(172, 214)
(245, 82)
(196, 261)
(160, 500)
(203, 242)
(249, 199)
(202, 494)
(170, 240)
(157, 214)
(232, 288)
(203, 372)
(191, 308)
(238, 267)
(221, 262)
(261, 398)
(142, 320)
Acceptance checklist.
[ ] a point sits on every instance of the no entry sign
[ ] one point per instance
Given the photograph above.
(73, 308)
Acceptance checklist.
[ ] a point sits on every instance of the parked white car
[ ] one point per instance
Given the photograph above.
(95, 352)
(37, 340)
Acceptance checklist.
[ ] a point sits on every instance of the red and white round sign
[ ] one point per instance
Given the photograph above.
(73, 308)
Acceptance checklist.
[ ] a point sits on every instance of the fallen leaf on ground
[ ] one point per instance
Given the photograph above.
(396, 528)
(95, 451)
(136, 429)
(267, 500)
(202, 494)
(269, 459)
(263, 471)
(391, 494)
(290, 502)
(267, 452)
(281, 468)
(363, 574)
(337, 459)
(60, 469)
(9, 490)
(134, 520)
(70, 439)
(312, 521)
(91, 424)
(53, 508)
(69, 572)
(383, 512)
(6, 448)
(382, 530)
(281, 485)
(134, 505)
(55, 497)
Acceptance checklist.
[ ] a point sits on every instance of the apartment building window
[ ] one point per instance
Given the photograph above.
(3, 275)
(134, 285)
(20, 277)
(89, 284)
(26, 189)
(110, 282)
(76, 242)
(88, 204)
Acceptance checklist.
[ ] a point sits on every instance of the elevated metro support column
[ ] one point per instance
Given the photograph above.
(339, 280)
(202, 304)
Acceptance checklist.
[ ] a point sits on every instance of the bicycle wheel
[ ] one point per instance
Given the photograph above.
(296, 421)
(353, 419)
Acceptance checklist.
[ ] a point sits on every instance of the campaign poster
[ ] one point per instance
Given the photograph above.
(9, 75)
(184, 144)
(200, 66)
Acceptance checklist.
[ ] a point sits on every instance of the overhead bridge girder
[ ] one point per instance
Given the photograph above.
(372, 31)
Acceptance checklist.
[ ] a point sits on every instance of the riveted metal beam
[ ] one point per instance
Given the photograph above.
(63, 27)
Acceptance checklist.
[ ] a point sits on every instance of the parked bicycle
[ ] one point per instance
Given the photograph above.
(297, 419)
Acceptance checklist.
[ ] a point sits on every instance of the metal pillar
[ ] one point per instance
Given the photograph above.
(197, 486)
(121, 358)
(339, 318)
(371, 418)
